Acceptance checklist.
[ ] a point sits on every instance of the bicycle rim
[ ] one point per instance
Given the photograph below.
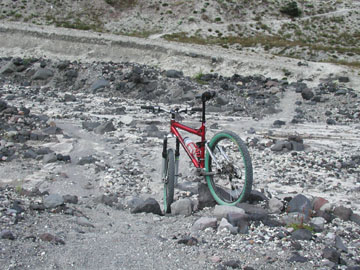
(232, 179)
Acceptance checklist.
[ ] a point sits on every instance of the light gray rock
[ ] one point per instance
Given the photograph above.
(203, 223)
(182, 207)
(221, 211)
(99, 84)
(105, 127)
(318, 223)
(43, 74)
(84, 222)
(275, 205)
(53, 200)
(224, 224)
(50, 158)
(293, 218)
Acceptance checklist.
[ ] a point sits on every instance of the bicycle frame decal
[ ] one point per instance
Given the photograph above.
(198, 163)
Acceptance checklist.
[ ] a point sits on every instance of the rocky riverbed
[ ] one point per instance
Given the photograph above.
(80, 165)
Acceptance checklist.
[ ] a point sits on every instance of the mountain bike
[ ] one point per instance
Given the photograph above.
(224, 161)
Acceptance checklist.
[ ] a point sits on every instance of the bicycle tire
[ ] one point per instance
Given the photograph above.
(237, 168)
(169, 184)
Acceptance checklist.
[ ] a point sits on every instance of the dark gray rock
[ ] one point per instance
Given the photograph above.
(99, 84)
(234, 264)
(90, 126)
(296, 257)
(344, 79)
(105, 127)
(257, 196)
(150, 205)
(47, 237)
(109, 200)
(52, 130)
(307, 94)
(339, 244)
(205, 198)
(71, 199)
(43, 74)
(239, 220)
(280, 145)
(53, 200)
(7, 234)
(300, 204)
(301, 234)
(279, 123)
(69, 98)
(174, 73)
(252, 209)
(343, 212)
(222, 101)
(86, 160)
(30, 154)
(331, 254)
(8, 68)
(330, 121)
(355, 218)
(3, 105)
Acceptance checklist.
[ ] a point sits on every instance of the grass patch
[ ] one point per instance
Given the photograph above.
(121, 4)
(296, 227)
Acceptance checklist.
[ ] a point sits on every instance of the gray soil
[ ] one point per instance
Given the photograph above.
(101, 235)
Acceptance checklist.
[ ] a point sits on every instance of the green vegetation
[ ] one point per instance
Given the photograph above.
(291, 9)
(122, 4)
(296, 227)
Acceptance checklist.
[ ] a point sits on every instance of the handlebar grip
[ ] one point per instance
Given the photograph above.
(147, 107)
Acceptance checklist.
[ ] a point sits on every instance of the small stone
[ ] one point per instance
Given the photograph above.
(86, 160)
(189, 241)
(43, 74)
(339, 244)
(318, 202)
(203, 223)
(105, 127)
(99, 84)
(331, 254)
(301, 234)
(307, 94)
(6, 234)
(343, 212)
(182, 207)
(355, 218)
(296, 257)
(71, 199)
(221, 211)
(150, 205)
(50, 158)
(47, 237)
(318, 223)
(275, 205)
(82, 221)
(171, 73)
(224, 224)
(53, 200)
(235, 264)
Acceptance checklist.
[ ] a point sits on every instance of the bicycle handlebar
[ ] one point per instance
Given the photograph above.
(177, 110)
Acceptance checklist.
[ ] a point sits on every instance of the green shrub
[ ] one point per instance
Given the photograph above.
(291, 9)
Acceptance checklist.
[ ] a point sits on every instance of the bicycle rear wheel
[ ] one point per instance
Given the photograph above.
(231, 166)
(169, 180)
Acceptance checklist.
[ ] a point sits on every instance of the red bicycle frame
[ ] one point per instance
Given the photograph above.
(198, 163)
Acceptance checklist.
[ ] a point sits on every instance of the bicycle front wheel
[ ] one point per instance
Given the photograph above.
(169, 180)
(230, 169)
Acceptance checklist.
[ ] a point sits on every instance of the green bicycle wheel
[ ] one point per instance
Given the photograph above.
(232, 175)
(169, 180)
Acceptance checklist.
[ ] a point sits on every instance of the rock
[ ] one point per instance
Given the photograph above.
(331, 254)
(318, 223)
(256, 196)
(344, 79)
(47, 237)
(205, 197)
(105, 127)
(307, 94)
(301, 234)
(82, 221)
(182, 207)
(221, 211)
(69, 98)
(90, 126)
(3, 105)
(110, 199)
(203, 223)
(6, 234)
(53, 200)
(339, 244)
(8, 68)
(99, 84)
(318, 202)
(280, 145)
(71, 199)
(189, 241)
(330, 121)
(174, 73)
(30, 154)
(224, 224)
(222, 101)
(150, 205)
(296, 257)
(43, 74)
(293, 218)
(355, 218)
(279, 123)
(252, 209)
(86, 160)
(343, 212)
(300, 204)
(234, 264)
(50, 158)
(275, 205)
(239, 220)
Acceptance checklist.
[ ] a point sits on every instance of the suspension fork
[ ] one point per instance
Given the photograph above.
(177, 158)
(164, 158)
